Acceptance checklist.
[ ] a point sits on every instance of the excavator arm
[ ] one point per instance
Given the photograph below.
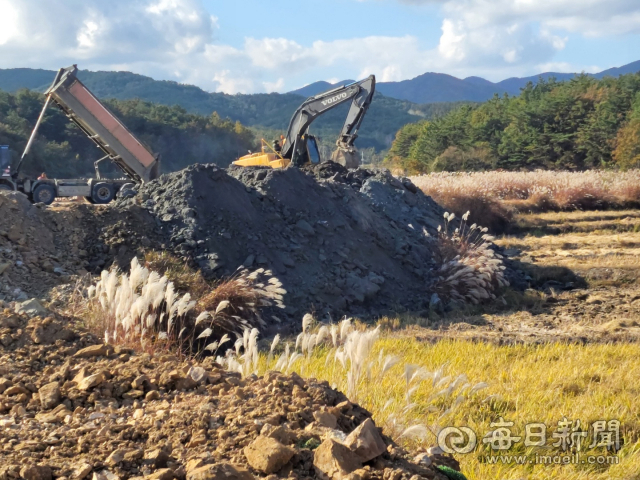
(358, 110)
(360, 93)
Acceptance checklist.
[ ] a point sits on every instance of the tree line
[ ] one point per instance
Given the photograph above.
(578, 124)
(62, 150)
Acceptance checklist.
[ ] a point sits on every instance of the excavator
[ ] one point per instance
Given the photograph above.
(300, 148)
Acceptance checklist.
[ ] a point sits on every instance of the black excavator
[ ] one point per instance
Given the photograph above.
(300, 148)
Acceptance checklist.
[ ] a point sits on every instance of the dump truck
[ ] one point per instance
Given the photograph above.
(118, 144)
(301, 148)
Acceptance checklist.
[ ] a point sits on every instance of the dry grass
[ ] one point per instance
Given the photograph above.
(184, 278)
(493, 196)
(143, 310)
(580, 252)
(470, 271)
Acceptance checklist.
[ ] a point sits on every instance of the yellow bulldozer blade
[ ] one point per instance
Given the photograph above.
(263, 159)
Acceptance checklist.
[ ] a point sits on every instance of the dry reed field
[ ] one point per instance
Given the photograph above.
(493, 197)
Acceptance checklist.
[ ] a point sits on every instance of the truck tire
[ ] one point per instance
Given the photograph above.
(103, 193)
(4, 186)
(44, 193)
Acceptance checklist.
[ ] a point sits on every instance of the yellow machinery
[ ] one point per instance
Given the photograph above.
(267, 157)
(299, 148)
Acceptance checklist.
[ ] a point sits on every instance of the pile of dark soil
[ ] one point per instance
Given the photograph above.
(72, 408)
(341, 242)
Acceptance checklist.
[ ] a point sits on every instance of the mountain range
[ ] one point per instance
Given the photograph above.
(395, 103)
(439, 87)
(267, 114)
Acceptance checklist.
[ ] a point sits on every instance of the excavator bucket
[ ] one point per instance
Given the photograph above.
(346, 158)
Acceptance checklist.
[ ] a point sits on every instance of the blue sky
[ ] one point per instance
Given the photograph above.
(262, 46)
(309, 20)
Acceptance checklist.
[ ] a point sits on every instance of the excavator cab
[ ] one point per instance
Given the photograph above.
(312, 150)
(308, 153)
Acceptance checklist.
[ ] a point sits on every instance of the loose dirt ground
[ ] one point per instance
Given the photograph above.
(583, 269)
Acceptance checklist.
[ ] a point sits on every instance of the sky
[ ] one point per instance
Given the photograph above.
(250, 46)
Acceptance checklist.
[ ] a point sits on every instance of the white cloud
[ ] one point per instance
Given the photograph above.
(175, 39)
(8, 21)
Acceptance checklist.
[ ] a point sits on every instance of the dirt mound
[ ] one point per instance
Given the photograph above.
(71, 408)
(44, 247)
(38, 250)
(341, 242)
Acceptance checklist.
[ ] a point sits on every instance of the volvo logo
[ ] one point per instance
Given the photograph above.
(335, 99)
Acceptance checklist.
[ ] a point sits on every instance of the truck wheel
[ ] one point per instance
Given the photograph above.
(103, 193)
(44, 193)
(4, 186)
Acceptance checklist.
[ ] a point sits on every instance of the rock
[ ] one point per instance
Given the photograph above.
(282, 434)
(220, 471)
(423, 459)
(194, 464)
(152, 395)
(366, 441)
(16, 390)
(116, 457)
(267, 454)
(110, 475)
(4, 267)
(305, 227)
(139, 382)
(158, 458)
(91, 381)
(6, 422)
(197, 374)
(94, 351)
(49, 395)
(32, 308)
(435, 304)
(334, 461)
(36, 472)
(82, 471)
(326, 419)
(162, 474)
(4, 384)
(431, 451)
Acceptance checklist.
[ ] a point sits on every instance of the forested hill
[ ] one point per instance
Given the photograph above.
(579, 124)
(62, 150)
(271, 112)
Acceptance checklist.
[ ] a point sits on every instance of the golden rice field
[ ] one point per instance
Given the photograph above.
(526, 384)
